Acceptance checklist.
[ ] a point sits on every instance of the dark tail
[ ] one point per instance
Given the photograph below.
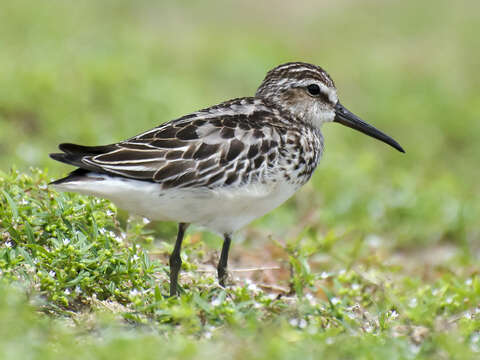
(84, 150)
(74, 154)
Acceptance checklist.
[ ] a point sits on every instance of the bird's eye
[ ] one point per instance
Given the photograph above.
(313, 89)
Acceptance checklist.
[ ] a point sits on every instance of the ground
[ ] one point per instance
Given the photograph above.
(376, 258)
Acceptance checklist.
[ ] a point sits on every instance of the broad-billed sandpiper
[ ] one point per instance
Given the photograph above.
(223, 166)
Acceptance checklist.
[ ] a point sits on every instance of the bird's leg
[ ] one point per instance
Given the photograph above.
(222, 264)
(175, 259)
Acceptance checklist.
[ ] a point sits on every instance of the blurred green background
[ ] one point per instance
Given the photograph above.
(390, 234)
(96, 72)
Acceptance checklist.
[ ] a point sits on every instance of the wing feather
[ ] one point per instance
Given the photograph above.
(213, 147)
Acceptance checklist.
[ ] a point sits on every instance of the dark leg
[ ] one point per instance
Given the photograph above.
(222, 264)
(175, 259)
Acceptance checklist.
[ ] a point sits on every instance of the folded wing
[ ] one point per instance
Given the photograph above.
(195, 151)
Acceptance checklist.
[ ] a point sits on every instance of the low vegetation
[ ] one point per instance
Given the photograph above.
(377, 257)
(75, 272)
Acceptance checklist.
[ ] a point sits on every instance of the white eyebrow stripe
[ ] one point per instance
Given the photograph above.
(331, 93)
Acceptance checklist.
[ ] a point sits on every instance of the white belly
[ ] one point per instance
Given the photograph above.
(222, 210)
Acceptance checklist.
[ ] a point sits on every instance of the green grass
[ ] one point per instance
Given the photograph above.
(74, 273)
(380, 250)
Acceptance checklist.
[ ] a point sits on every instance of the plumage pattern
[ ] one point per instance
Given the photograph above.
(238, 142)
(223, 166)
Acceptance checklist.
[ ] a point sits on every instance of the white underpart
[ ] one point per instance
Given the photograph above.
(222, 210)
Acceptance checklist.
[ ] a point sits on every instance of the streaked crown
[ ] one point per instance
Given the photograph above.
(305, 90)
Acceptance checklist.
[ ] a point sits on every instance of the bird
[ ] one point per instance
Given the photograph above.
(221, 167)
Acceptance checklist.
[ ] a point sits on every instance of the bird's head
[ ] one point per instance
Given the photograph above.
(308, 92)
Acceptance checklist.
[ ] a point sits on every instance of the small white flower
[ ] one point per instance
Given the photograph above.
(209, 328)
(302, 324)
(134, 292)
(135, 257)
(109, 212)
(335, 300)
(449, 300)
(324, 275)
(66, 242)
(146, 221)
(374, 240)
(272, 296)
(413, 302)
(394, 314)
(311, 299)
(475, 346)
(208, 335)
(293, 322)
(252, 287)
(52, 273)
(8, 244)
(67, 292)
(467, 316)
(475, 338)
(215, 302)
(415, 349)
(78, 290)
(355, 286)
(468, 282)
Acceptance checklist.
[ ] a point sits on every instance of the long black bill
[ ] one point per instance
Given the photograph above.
(347, 118)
